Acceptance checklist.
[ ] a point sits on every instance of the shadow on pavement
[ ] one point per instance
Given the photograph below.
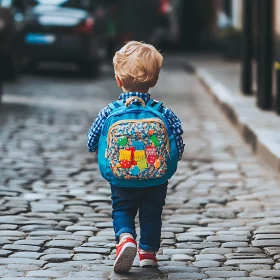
(139, 273)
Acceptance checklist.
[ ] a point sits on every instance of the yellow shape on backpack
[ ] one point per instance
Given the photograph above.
(142, 164)
(125, 155)
(139, 155)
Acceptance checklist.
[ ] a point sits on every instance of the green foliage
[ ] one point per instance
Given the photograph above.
(230, 32)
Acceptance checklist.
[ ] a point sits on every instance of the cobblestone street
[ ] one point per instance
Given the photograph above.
(222, 215)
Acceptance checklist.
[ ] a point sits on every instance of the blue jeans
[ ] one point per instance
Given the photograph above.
(149, 201)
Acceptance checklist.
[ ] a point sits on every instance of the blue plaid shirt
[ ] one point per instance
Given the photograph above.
(174, 123)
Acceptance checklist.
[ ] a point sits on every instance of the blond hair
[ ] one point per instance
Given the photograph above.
(138, 65)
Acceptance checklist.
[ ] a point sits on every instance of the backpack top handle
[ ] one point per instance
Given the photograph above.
(129, 100)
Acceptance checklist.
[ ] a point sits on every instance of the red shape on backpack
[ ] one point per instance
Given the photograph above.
(151, 154)
(132, 149)
(125, 163)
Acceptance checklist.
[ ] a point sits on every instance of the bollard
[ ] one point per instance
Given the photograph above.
(247, 47)
(1, 91)
(265, 54)
(277, 76)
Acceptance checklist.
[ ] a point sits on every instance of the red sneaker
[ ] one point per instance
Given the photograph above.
(126, 252)
(147, 259)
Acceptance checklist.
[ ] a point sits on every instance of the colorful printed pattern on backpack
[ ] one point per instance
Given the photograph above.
(138, 149)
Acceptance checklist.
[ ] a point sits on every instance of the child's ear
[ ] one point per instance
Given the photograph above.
(119, 82)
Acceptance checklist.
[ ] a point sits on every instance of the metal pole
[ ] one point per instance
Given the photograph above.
(258, 47)
(265, 57)
(277, 101)
(1, 92)
(247, 48)
(1, 81)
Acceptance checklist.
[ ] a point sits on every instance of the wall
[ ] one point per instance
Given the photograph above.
(237, 13)
(198, 23)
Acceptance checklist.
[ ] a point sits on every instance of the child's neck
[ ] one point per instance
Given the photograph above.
(144, 90)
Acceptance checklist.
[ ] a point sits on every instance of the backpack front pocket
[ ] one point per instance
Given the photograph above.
(138, 149)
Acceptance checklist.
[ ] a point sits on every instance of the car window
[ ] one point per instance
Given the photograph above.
(80, 4)
(51, 2)
(17, 4)
(6, 3)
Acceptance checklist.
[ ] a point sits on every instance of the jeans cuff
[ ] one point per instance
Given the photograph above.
(125, 230)
(148, 248)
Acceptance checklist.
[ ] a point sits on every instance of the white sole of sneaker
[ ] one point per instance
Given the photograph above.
(126, 258)
(147, 263)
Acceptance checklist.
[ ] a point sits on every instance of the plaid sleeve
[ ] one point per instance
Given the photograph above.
(176, 129)
(96, 129)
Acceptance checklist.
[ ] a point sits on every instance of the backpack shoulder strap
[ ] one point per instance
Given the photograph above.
(116, 104)
(156, 105)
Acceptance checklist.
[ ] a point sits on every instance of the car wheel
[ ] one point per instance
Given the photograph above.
(11, 66)
(90, 69)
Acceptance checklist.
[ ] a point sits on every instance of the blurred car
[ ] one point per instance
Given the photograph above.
(11, 32)
(65, 31)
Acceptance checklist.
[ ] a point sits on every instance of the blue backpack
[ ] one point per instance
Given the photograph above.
(136, 147)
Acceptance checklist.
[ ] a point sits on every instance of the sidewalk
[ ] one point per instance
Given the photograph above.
(260, 129)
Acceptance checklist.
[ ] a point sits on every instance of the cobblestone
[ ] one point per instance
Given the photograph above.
(211, 257)
(5, 253)
(250, 278)
(22, 278)
(102, 251)
(23, 267)
(63, 244)
(249, 261)
(275, 274)
(45, 273)
(21, 261)
(219, 222)
(193, 276)
(21, 248)
(87, 257)
(181, 257)
(226, 274)
(28, 255)
(57, 257)
(206, 263)
(253, 267)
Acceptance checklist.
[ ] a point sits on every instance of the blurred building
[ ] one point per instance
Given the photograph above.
(248, 30)
(183, 24)
(200, 22)
(260, 32)
(233, 10)
(258, 24)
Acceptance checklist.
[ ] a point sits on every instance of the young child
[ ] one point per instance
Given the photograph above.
(137, 67)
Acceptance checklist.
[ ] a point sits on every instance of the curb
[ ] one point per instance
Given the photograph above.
(260, 141)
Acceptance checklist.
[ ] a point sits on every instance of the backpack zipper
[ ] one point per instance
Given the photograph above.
(122, 113)
(112, 115)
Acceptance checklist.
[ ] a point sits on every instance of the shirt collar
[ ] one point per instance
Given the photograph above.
(143, 95)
